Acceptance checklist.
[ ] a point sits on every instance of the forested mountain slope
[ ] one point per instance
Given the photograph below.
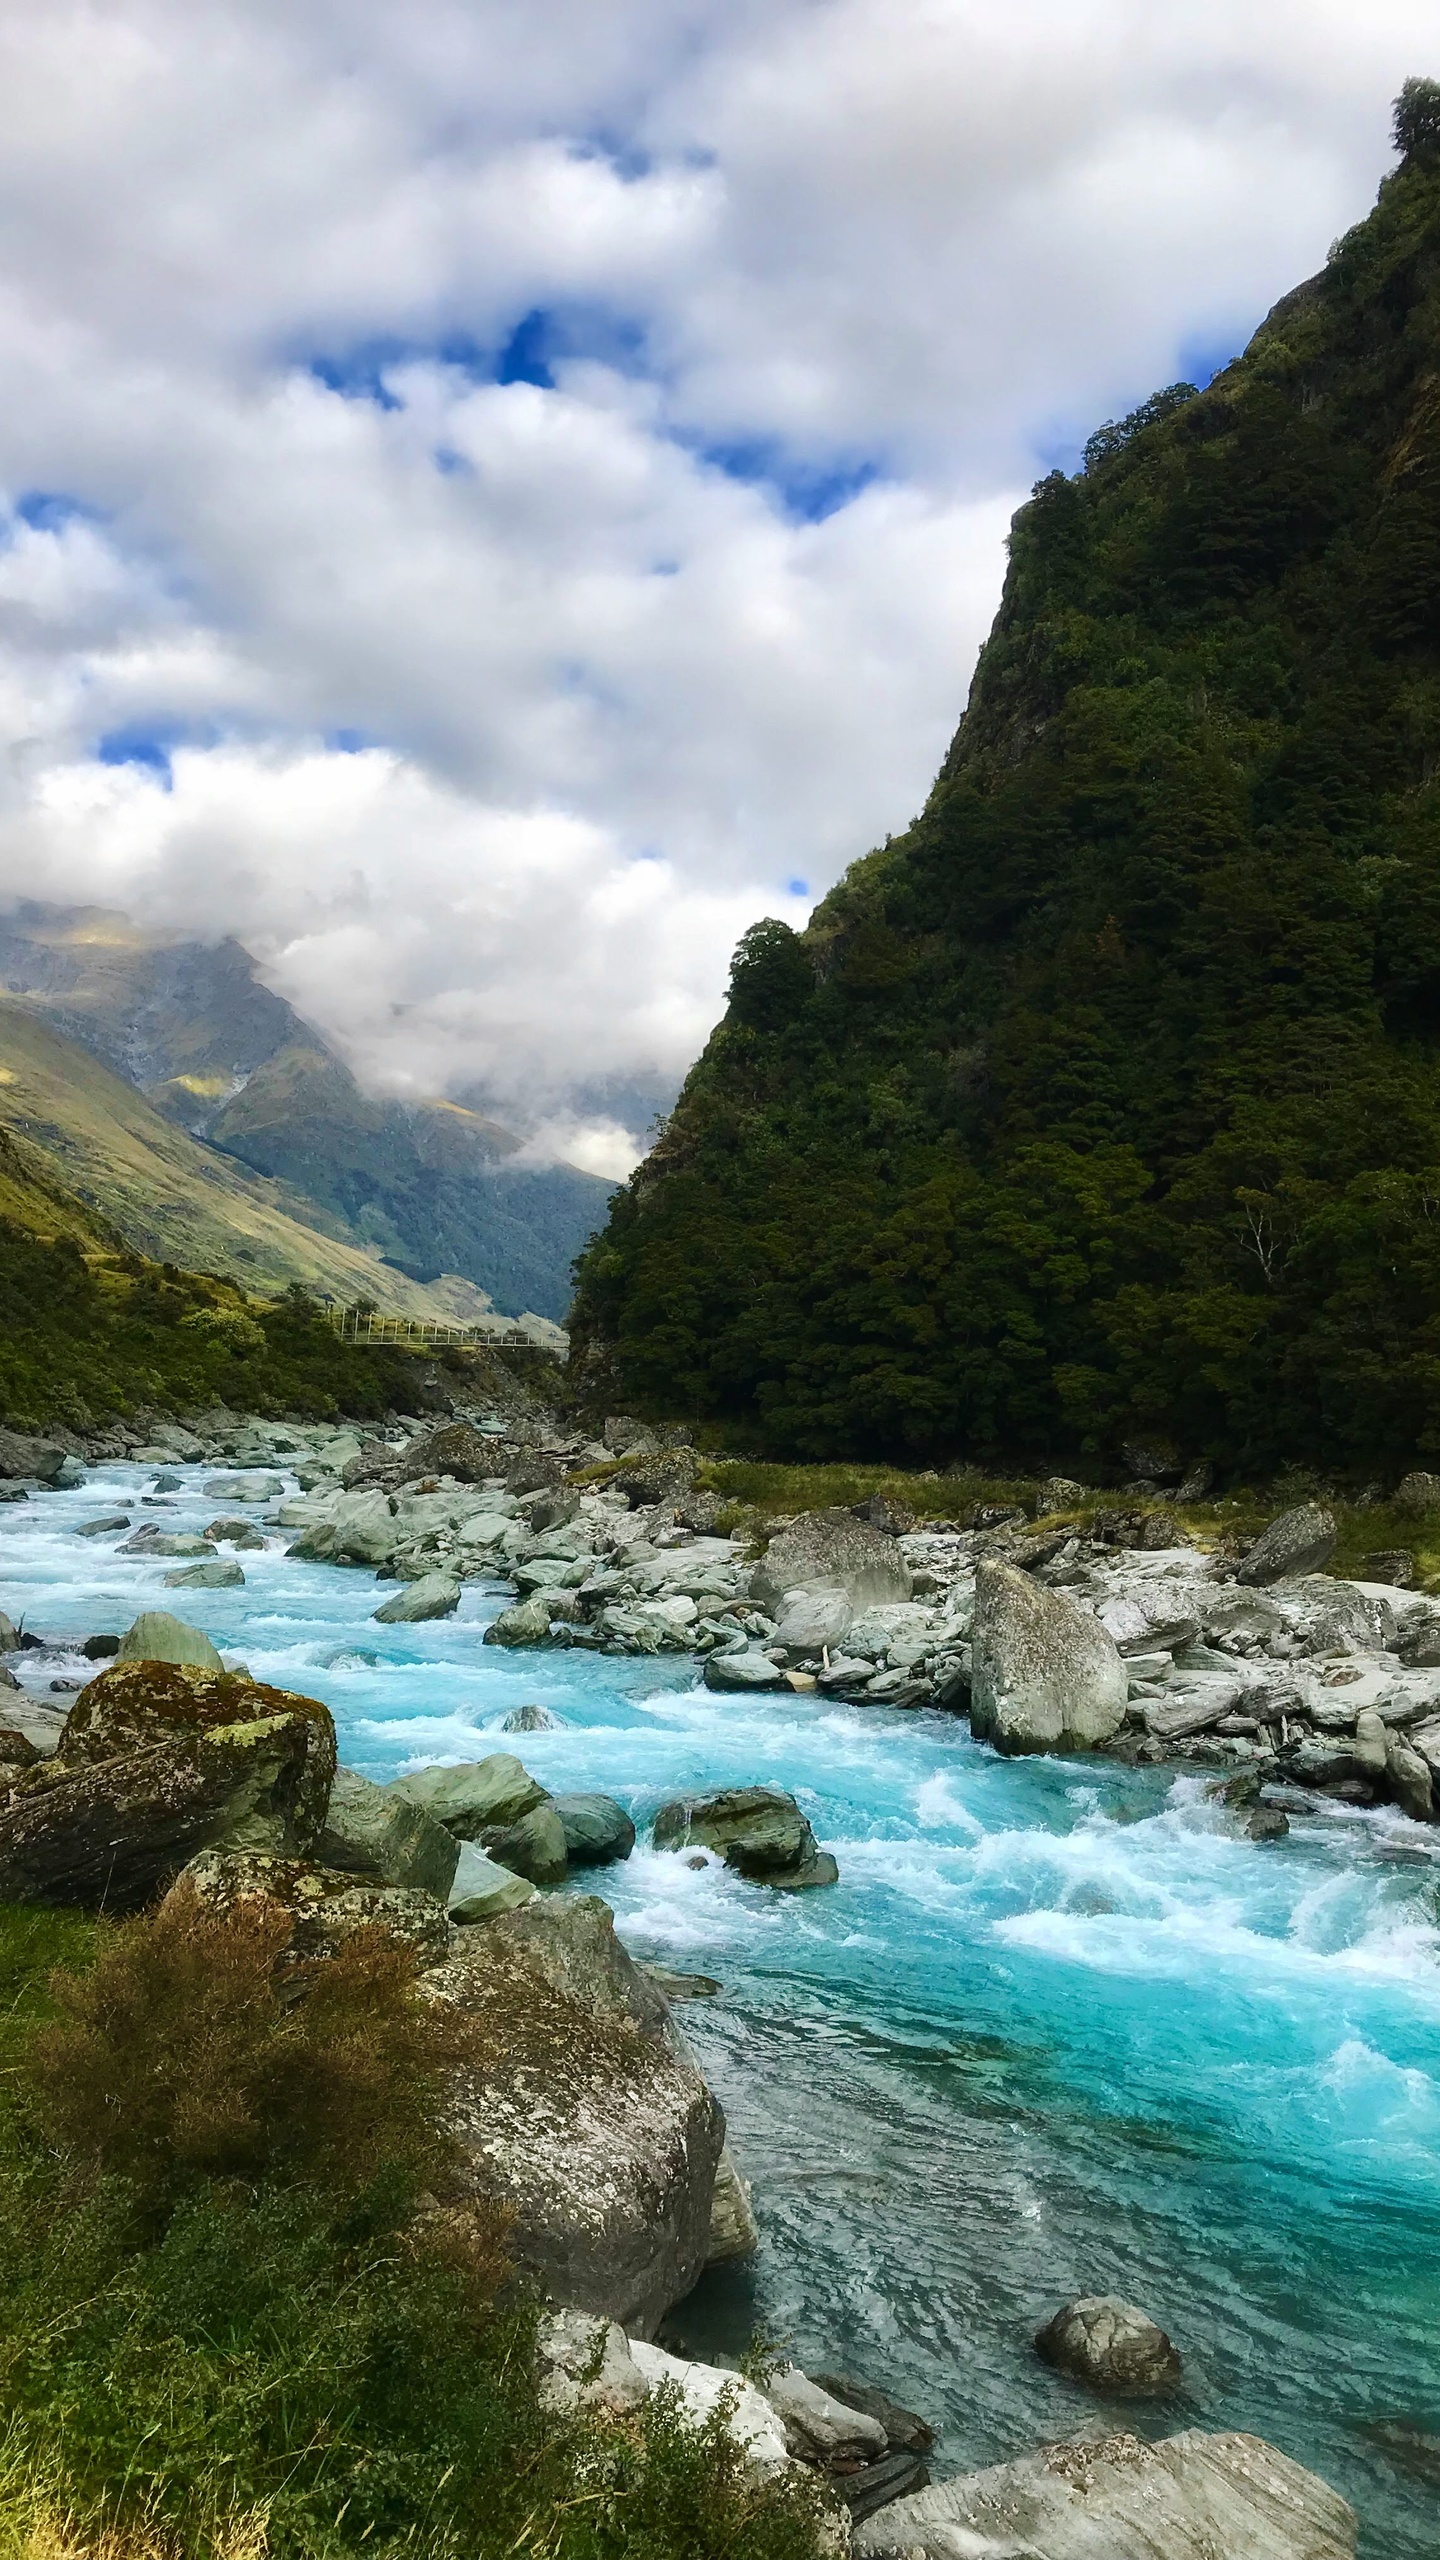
(1108, 1096)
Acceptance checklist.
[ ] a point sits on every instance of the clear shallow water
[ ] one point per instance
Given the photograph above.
(1056, 2030)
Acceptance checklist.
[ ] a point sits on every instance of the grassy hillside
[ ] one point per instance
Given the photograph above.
(168, 1195)
(427, 1186)
(1107, 1099)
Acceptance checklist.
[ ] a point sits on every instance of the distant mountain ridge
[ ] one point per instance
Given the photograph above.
(428, 1186)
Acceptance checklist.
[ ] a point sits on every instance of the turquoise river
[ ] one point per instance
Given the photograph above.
(1057, 2030)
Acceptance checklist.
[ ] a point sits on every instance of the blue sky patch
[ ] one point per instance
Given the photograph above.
(807, 490)
(141, 744)
(51, 510)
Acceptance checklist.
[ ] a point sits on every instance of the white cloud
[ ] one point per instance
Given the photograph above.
(616, 676)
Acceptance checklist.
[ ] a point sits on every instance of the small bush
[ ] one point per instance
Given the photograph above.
(188, 2051)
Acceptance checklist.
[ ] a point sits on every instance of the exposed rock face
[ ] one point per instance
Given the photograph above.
(112, 1835)
(834, 1548)
(734, 2232)
(588, 2118)
(759, 1831)
(1191, 2497)
(1045, 1675)
(1108, 2343)
(371, 1831)
(157, 1637)
(597, 1829)
(435, 1595)
(325, 1907)
(1300, 1541)
(131, 1706)
(478, 1796)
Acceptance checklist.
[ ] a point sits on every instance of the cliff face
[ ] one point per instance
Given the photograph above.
(1108, 1096)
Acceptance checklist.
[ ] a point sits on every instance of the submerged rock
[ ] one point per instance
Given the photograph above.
(1190, 2497)
(759, 1831)
(532, 1719)
(611, 2180)
(1045, 1675)
(1108, 2343)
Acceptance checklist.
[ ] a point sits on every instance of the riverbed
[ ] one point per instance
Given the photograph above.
(1059, 2028)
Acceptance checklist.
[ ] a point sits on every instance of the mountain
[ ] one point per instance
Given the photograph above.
(168, 1196)
(1105, 1101)
(430, 1187)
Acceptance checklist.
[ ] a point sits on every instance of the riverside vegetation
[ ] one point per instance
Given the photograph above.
(1105, 1097)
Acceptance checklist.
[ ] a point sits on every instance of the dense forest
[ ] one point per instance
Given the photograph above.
(1107, 1098)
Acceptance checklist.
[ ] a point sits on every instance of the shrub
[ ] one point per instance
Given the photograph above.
(188, 2052)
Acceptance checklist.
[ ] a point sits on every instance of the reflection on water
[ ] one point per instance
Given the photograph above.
(1058, 2029)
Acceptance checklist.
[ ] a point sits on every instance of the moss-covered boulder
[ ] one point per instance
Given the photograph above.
(133, 1705)
(324, 1905)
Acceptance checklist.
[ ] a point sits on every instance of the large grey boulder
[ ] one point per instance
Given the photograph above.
(749, 1669)
(1190, 2497)
(834, 1548)
(244, 1488)
(358, 1528)
(759, 1831)
(371, 1831)
(527, 1623)
(483, 1889)
(1418, 1492)
(480, 1795)
(1300, 1541)
(534, 1846)
(584, 2114)
(1108, 2343)
(22, 1456)
(597, 1830)
(222, 1573)
(818, 2429)
(814, 1616)
(157, 1637)
(435, 1595)
(1045, 1675)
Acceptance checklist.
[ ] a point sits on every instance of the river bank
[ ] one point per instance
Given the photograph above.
(1059, 2028)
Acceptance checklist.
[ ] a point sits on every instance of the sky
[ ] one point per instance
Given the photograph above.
(497, 495)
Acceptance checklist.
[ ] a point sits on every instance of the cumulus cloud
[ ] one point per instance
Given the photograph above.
(496, 501)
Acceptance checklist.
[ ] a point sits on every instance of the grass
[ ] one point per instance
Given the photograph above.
(260, 2367)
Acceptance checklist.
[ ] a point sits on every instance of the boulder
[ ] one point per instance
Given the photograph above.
(1300, 1541)
(586, 2363)
(107, 1522)
(1108, 2343)
(818, 2429)
(235, 1533)
(814, 1617)
(151, 1541)
(532, 1719)
(222, 1573)
(527, 1623)
(904, 2432)
(534, 1846)
(370, 1831)
(747, 1668)
(1059, 1493)
(130, 1706)
(1418, 1492)
(1190, 2497)
(734, 2233)
(244, 1488)
(435, 1595)
(22, 1456)
(583, 2113)
(486, 1889)
(1411, 1783)
(834, 1548)
(477, 1796)
(157, 1637)
(453, 1449)
(666, 1476)
(1045, 1676)
(1393, 1566)
(112, 1834)
(324, 1906)
(759, 1831)
(597, 1830)
(359, 1528)
(9, 1634)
